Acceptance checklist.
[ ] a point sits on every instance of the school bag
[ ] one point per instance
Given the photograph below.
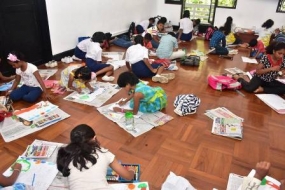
(191, 60)
(221, 82)
(132, 30)
(186, 104)
(209, 33)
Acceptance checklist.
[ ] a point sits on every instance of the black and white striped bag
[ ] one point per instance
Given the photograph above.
(186, 104)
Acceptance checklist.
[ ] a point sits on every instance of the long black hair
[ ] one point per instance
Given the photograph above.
(126, 78)
(275, 46)
(268, 24)
(81, 150)
(228, 25)
(83, 73)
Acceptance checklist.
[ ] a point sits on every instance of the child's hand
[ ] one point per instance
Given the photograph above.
(117, 109)
(47, 96)
(262, 169)
(91, 89)
(79, 90)
(17, 166)
(122, 102)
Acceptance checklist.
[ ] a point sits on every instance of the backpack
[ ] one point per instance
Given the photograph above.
(192, 60)
(223, 82)
(209, 33)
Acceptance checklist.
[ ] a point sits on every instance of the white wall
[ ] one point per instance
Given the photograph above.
(70, 19)
(249, 13)
(170, 11)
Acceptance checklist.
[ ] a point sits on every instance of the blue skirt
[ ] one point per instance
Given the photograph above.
(95, 66)
(79, 53)
(142, 71)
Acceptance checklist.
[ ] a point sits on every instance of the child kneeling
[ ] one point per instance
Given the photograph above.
(142, 97)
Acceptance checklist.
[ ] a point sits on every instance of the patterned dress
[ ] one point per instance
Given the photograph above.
(77, 83)
(154, 98)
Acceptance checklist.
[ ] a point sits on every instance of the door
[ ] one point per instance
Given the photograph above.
(24, 27)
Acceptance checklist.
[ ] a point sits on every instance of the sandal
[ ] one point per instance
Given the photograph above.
(170, 76)
(159, 78)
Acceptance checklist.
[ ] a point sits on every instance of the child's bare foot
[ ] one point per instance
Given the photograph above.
(237, 76)
(258, 90)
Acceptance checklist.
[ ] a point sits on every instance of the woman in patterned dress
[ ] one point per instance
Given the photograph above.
(271, 66)
(142, 97)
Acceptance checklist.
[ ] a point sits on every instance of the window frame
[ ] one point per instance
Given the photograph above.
(278, 9)
(233, 7)
(176, 2)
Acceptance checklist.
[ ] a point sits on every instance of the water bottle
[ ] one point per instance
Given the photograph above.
(129, 121)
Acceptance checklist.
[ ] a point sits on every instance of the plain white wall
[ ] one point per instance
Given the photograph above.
(170, 11)
(70, 19)
(249, 13)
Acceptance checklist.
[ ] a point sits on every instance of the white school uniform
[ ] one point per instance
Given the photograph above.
(84, 44)
(152, 30)
(136, 53)
(144, 24)
(95, 176)
(28, 76)
(94, 51)
(186, 25)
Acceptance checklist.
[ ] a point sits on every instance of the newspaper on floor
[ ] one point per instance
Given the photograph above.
(234, 181)
(47, 73)
(221, 112)
(143, 123)
(107, 90)
(11, 128)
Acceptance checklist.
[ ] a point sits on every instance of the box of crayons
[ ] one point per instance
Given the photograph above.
(114, 177)
(39, 151)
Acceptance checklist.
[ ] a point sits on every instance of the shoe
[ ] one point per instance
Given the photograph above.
(159, 78)
(48, 64)
(53, 63)
(76, 58)
(172, 68)
(63, 60)
(169, 76)
(69, 59)
(108, 78)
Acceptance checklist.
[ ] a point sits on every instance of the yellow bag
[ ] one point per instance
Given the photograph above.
(230, 39)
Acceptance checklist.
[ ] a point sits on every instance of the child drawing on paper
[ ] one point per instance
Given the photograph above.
(142, 97)
(7, 181)
(77, 78)
(85, 162)
(33, 86)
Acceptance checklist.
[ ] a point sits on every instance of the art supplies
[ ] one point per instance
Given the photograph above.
(6, 86)
(268, 183)
(221, 112)
(39, 151)
(132, 186)
(114, 177)
(109, 90)
(142, 123)
(35, 111)
(13, 128)
(37, 173)
(6, 104)
(227, 127)
(274, 101)
(248, 60)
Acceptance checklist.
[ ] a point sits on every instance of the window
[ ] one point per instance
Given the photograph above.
(231, 4)
(179, 2)
(281, 6)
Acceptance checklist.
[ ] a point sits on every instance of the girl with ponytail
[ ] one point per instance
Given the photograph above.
(85, 162)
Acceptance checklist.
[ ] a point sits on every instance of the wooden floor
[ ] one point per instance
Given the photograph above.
(185, 145)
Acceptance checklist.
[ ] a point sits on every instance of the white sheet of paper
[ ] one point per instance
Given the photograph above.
(274, 101)
(88, 97)
(249, 60)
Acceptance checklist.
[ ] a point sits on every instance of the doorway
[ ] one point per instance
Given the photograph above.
(24, 27)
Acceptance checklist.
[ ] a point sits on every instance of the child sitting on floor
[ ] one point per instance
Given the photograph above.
(33, 86)
(94, 57)
(154, 31)
(142, 97)
(147, 42)
(168, 48)
(137, 62)
(270, 67)
(85, 162)
(75, 78)
(216, 40)
(257, 48)
(81, 49)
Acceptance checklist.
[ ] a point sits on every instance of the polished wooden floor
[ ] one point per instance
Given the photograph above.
(185, 145)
